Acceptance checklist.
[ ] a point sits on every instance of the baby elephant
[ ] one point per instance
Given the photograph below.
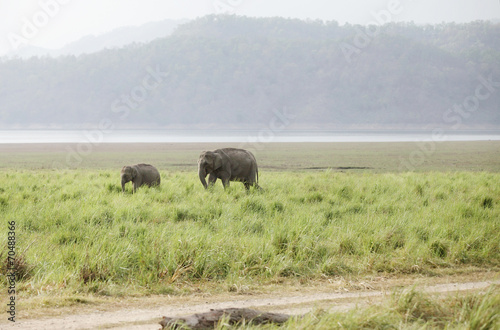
(140, 174)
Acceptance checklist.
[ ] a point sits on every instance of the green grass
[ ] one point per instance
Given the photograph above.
(77, 233)
(411, 310)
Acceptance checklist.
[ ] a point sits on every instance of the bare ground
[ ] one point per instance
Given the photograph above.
(344, 156)
(145, 313)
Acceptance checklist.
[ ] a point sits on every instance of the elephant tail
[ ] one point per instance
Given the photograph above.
(257, 172)
(257, 182)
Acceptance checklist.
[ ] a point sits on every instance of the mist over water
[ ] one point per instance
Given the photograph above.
(236, 136)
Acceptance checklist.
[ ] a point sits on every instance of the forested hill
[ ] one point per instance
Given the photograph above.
(236, 72)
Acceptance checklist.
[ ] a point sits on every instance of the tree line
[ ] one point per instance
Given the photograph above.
(226, 71)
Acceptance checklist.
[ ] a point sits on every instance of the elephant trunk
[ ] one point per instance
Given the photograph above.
(123, 185)
(202, 173)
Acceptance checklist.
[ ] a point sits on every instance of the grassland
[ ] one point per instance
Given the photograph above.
(77, 234)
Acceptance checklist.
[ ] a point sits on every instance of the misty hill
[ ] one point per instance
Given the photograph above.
(114, 39)
(236, 72)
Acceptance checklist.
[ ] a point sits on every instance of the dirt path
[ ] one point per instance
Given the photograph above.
(137, 318)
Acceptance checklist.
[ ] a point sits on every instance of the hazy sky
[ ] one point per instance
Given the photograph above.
(53, 23)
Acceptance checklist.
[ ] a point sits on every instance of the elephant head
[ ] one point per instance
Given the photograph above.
(208, 162)
(129, 173)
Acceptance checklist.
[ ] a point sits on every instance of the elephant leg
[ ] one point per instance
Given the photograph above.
(247, 185)
(225, 181)
(211, 179)
(137, 184)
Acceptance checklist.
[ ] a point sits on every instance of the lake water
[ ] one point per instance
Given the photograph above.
(239, 136)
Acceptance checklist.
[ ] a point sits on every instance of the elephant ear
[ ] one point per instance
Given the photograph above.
(217, 161)
(202, 157)
(135, 173)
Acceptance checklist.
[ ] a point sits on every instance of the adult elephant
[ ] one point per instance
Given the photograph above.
(140, 174)
(228, 164)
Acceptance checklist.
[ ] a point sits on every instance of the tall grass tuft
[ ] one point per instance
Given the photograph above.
(89, 236)
(411, 309)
